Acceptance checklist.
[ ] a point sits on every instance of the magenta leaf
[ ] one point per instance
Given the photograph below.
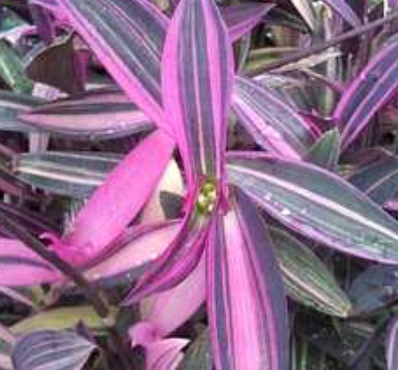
(196, 97)
(317, 204)
(273, 124)
(22, 267)
(242, 18)
(178, 260)
(246, 301)
(170, 309)
(100, 114)
(368, 92)
(132, 255)
(119, 199)
(127, 40)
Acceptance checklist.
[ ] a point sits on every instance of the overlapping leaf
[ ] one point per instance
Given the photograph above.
(368, 92)
(196, 97)
(306, 278)
(273, 124)
(51, 350)
(246, 303)
(317, 204)
(100, 114)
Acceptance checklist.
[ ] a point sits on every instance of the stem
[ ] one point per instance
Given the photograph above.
(96, 298)
(294, 57)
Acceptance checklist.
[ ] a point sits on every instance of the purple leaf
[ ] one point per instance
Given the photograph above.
(127, 37)
(368, 92)
(345, 11)
(246, 302)
(51, 350)
(178, 260)
(317, 204)
(102, 113)
(196, 97)
(241, 18)
(379, 180)
(273, 124)
(22, 267)
(119, 199)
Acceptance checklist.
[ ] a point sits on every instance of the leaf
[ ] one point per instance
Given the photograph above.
(241, 18)
(392, 345)
(345, 11)
(51, 350)
(317, 204)
(325, 152)
(374, 288)
(22, 267)
(133, 254)
(368, 92)
(66, 173)
(168, 310)
(196, 97)
(127, 37)
(178, 260)
(198, 355)
(306, 10)
(273, 124)
(246, 304)
(59, 319)
(306, 278)
(378, 180)
(119, 199)
(97, 114)
(62, 54)
(11, 70)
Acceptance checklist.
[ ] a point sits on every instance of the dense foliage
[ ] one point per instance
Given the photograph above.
(198, 184)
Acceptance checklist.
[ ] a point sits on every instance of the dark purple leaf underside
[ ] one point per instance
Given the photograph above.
(246, 301)
(196, 82)
(368, 92)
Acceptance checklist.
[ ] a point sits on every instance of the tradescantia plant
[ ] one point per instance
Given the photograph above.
(198, 215)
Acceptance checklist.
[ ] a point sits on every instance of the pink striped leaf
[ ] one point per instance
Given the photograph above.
(119, 199)
(246, 301)
(179, 259)
(101, 114)
(273, 124)
(196, 97)
(134, 253)
(378, 180)
(127, 40)
(368, 92)
(242, 18)
(22, 267)
(170, 309)
(318, 204)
